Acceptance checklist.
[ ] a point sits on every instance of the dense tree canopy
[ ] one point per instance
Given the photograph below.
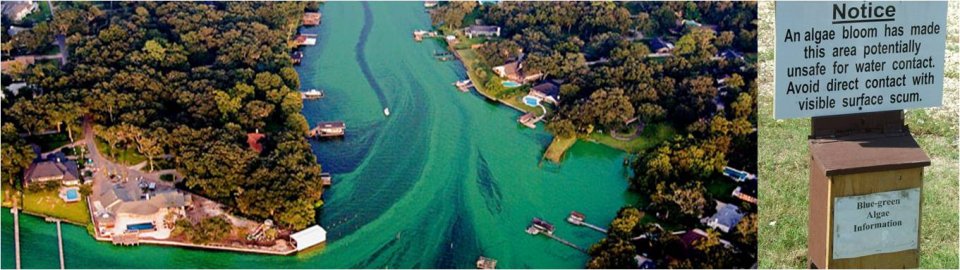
(189, 80)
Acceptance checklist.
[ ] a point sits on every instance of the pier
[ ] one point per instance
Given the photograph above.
(464, 85)
(418, 35)
(486, 263)
(60, 243)
(16, 233)
(577, 218)
(312, 94)
(541, 227)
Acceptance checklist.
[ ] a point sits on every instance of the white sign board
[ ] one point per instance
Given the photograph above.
(876, 223)
(853, 57)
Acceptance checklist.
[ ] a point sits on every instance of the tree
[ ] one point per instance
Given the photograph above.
(17, 156)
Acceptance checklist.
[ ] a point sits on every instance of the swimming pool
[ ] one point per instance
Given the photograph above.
(510, 84)
(72, 194)
(140, 227)
(531, 101)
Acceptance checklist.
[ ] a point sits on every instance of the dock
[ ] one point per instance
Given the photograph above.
(486, 263)
(541, 227)
(329, 129)
(60, 244)
(126, 239)
(464, 85)
(16, 233)
(305, 40)
(418, 35)
(577, 218)
(327, 179)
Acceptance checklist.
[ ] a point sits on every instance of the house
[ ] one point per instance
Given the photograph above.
(482, 30)
(58, 169)
(726, 218)
(746, 191)
(548, 91)
(689, 238)
(513, 71)
(309, 237)
(730, 54)
(17, 10)
(311, 18)
(126, 209)
(253, 140)
(19, 60)
(661, 46)
(429, 4)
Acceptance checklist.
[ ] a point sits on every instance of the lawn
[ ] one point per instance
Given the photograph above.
(122, 156)
(49, 203)
(652, 135)
(557, 147)
(42, 13)
(783, 167)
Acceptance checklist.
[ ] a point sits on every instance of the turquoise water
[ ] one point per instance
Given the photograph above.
(510, 84)
(446, 178)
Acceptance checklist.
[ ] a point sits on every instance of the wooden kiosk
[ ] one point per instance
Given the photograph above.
(859, 157)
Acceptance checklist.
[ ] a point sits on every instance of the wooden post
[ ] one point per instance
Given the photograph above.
(860, 160)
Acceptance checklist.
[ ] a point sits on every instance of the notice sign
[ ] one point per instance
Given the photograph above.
(876, 223)
(854, 57)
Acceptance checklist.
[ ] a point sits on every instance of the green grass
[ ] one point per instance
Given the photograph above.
(652, 135)
(41, 14)
(557, 147)
(784, 165)
(49, 203)
(122, 156)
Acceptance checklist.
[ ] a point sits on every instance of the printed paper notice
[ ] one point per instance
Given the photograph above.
(837, 58)
(876, 223)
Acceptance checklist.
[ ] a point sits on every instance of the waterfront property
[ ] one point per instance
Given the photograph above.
(482, 31)
(513, 71)
(726, 217)
(58, 169)
(309, 237)
(548, 91)
(125, 210)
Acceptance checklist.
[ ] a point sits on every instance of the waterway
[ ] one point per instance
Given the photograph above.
(445, 178)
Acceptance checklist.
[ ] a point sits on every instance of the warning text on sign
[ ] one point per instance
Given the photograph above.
(852, 57)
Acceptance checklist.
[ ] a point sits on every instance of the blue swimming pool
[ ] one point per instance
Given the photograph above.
(510, 84)
(531, 101)
(140, 227)
(72, 194)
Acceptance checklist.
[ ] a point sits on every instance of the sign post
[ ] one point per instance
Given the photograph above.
(854, 67)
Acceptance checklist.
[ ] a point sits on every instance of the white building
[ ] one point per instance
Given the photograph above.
(309, 237)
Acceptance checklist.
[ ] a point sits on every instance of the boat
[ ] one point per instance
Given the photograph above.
(386, 111)
(313, 94)
(486, 263)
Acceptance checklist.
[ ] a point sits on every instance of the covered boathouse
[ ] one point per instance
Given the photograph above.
(309, 237)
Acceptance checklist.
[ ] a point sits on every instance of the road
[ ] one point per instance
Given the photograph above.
(60, 38)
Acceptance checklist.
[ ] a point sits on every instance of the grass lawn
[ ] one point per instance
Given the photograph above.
(558, 147)
(50, 204)
(122, 156)
(652, 135)
(41, 14)
(783, 167)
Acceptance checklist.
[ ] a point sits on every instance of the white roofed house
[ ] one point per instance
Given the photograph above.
(482, 30)
(17, 10)
(309, 237)
(513, 71)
